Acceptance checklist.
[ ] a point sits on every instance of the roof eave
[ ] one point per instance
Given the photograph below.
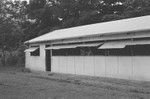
(28, 42)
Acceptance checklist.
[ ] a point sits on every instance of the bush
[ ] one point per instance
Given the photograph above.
(12, 60)
(2, 61)
(21, 54)
(14, 57)
(26, 70)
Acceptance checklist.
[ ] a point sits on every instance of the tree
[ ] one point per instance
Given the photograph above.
(11, 17)
(20, 21)
(56, 14)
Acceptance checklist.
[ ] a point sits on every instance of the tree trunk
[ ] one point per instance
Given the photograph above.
(3, 60)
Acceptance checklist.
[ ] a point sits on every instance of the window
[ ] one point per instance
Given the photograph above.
(35, 52)
(79, 51)
(66, 52)
(82, 49)
(141, 50)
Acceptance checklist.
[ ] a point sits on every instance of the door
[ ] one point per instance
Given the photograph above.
(48, 60)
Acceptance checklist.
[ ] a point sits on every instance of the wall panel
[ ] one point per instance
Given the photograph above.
(125, 67)
(63, 64)
(141, 69)
(79, 65)
(89, 65)
(55, 64)
(71, 65)
(99, 64)
(111, 66)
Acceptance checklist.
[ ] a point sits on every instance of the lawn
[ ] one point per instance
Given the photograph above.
(16, 83)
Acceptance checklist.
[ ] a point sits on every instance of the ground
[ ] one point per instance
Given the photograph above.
(20, 84)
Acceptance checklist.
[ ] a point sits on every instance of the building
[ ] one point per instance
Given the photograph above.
(118, 49)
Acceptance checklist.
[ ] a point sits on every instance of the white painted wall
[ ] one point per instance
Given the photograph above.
(141, 68)
(124, 67)
(36, 63)
(99, 65)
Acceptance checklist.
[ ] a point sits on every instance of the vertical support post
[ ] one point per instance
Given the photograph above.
(132, 59)
(51, 53)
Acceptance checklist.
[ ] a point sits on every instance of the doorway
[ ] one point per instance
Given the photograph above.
(48, 60)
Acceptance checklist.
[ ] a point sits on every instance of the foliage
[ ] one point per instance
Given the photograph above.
(20, 21)
(57, 14)
(12, 15)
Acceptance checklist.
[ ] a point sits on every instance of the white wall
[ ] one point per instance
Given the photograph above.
(36, 63)
(124, 67)
(141, 68)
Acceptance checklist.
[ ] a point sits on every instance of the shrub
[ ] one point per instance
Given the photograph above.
(26, 70)
(12, 60)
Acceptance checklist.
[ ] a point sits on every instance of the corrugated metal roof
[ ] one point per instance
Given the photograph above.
(119, 26)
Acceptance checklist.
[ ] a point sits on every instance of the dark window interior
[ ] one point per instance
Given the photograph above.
(48, 45)
(127, 51)
(66, 52)
(82, 51)
(136, 50)
(36, 52)
(141, 50)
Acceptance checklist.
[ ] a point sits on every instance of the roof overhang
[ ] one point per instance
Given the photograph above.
(105, 28)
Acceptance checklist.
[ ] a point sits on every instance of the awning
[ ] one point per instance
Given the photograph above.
(138, 42)
(123, 44)
(74, 46)
(113, 45)
(61, 47)
(89, 45)
(31, 49)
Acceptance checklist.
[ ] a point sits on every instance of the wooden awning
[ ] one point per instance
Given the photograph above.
(123, 44)
(74, 46)
(113, 45)
(61, 47)
(32, 49)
